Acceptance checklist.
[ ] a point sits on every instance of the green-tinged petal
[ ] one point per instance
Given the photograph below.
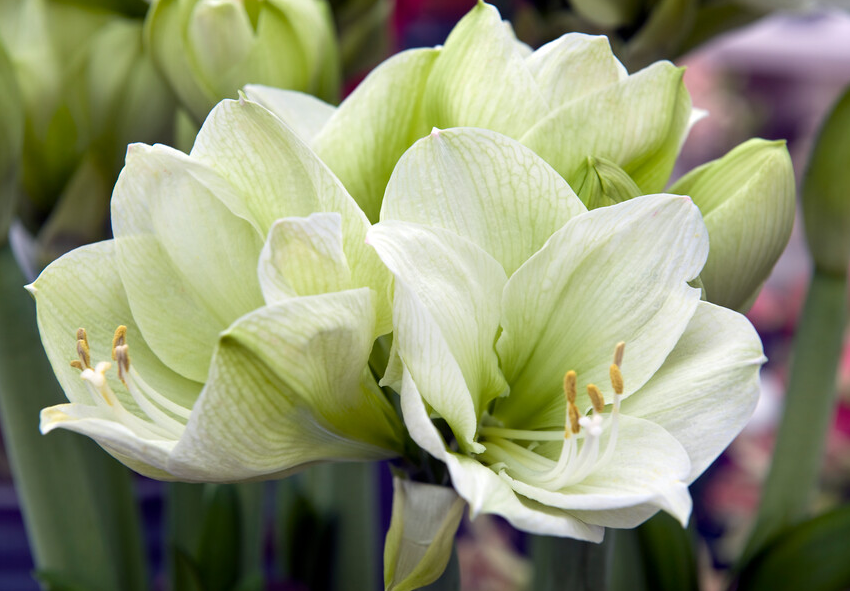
(370, 131)
(747, 199)
(143, 452)
(303, 256)
(289, 386)
(484, 186)
(638, 124)
(602, 183)
(83, 290)
(645, 473)
(419, 543)
(482, 488)
(707, 388)
(480, 79)
(445, 318)
(599, 280)
(276, 175)
(304, 113)
(189, 265)
(574, 65)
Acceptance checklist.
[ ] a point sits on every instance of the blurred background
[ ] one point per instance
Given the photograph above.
(773, 74)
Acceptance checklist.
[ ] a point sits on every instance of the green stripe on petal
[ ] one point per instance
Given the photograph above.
(613, 274)
(373, 127)
(638, 124)
(707, 388)
(187, 262)
(484, 186)
(289, 386)
(446, 317)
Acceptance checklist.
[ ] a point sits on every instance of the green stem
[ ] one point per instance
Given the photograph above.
(809, 401)
(77, 502)
(252, 516)
(348, 493)
(564, 563)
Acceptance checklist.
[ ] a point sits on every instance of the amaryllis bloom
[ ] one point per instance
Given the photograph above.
(224, 333)
(555, 358)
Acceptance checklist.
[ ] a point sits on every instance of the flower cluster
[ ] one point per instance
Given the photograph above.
(547, 343)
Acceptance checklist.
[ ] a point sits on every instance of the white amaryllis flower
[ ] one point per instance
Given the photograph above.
(221, 335)
(554, 358)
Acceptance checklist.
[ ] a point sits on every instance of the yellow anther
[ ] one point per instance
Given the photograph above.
(619, 348)
(83, 351)
(596, 398)
(574, 417)
(616, 378)
(81, 335)
(570, 386)
(119, 339)
(76, 364)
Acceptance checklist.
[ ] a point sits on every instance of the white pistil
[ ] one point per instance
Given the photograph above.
(575, 462)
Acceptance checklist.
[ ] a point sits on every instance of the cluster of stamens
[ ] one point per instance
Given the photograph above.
(159, 410)
(580, 452)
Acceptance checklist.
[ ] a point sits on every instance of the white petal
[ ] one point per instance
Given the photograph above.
(304, 113)
(445, 314)
(187, 262)
(485, 187)
(707, 388)
(289, 386)
(303, 256)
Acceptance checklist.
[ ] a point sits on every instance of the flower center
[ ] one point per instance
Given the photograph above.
(159, 411)
(581, 438)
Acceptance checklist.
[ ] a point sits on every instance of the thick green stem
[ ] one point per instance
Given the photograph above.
(564, 563)
(77, 502)
(348, 494)
(809, 401)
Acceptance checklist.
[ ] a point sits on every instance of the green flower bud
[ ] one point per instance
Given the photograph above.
(419, 542)
(208, 49)
(826, 192)
(747, 201)
(603, 183)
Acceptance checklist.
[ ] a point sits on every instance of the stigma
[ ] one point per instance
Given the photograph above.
(159, 417)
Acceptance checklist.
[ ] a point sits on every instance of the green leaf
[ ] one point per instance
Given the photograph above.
(811, 556)
(219, 550)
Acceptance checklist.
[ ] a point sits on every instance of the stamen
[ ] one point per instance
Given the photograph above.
(574, 419)
(119, 339)
(76, 364)
(83, 350)
(596, 398)
(616, 378)
(619, 349)
(570, 386)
